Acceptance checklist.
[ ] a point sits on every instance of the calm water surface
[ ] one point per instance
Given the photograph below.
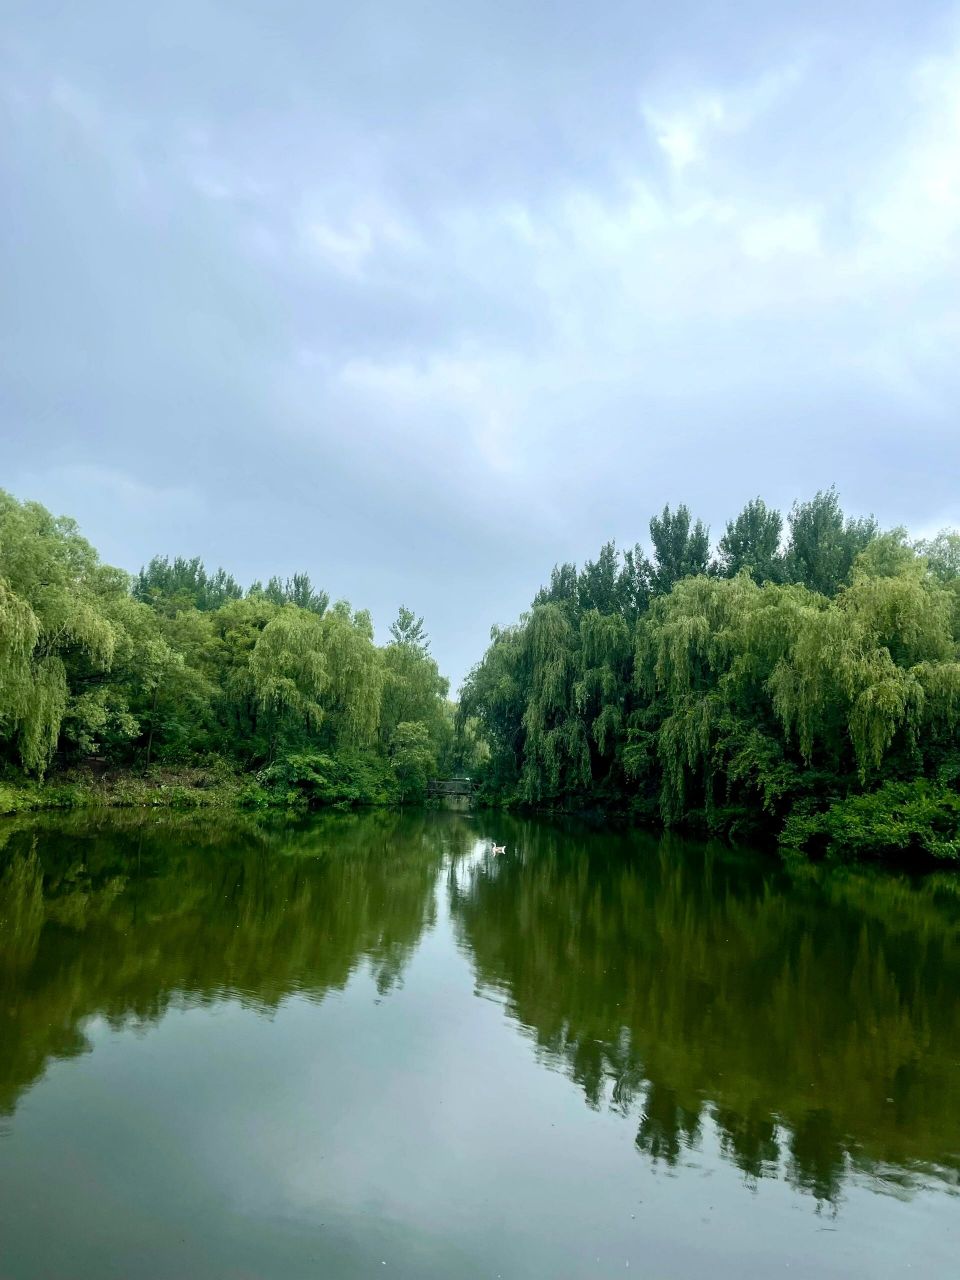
(366, 1047)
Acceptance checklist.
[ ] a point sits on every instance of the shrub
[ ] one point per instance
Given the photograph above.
(919, 819)
(312, 779)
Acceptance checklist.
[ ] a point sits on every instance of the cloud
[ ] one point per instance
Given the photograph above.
(687, 132)
(796, 232)
(375, 295)
(912, 213)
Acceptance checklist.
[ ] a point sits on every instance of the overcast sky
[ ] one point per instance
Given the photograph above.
(425, 297)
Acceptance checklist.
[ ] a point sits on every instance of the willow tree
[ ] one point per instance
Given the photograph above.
(778, 689)
(51, 615)
(704, 654)
(288, 667)
(883, 662)
(493, 698)
(557, 757)
(225, 653)
(33, 690)
(730, 690)
(354, 689)
(602, 689)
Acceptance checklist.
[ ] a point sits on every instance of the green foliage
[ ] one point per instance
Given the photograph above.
(288, 669)
(409, 631)
(184, 584)
(680, 549)
(899, 819)
(823, 544)
(179, 665)
(313, 779)
(298, 590)
(413, 758)
(722, 695)
(413, 688)
(353, 697)
(752, 542)
(55, 621)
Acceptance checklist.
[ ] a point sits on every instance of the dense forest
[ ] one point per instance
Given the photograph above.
(803, 681)
(179, 667)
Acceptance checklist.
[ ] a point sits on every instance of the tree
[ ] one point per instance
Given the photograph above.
(289, 670)
(752, 542)
(493, 696)
(52, 621)
(171, 587)
(556, 749)
(409, 631)
(413, 757)
(598, 585)
(298, 590)
(413, 688)
(353, 696)
(727, 700)
(680, 549)
(824, 544)
(178, 665)
(942, 554)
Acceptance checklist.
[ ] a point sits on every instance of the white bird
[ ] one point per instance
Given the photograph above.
(499, 848)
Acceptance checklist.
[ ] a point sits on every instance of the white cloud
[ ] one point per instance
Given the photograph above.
(682, 135)
(489, 289)
(463, 404)
(792, 231)
(347, 250)
(687, 130)
(912, 208)
(350, 244)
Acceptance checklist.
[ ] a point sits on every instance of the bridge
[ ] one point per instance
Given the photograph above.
(451, 787)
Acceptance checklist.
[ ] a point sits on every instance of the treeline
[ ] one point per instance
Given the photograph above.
(180, 667)
(805, 681)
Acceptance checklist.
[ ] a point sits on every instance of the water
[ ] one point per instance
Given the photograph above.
(366, 1047)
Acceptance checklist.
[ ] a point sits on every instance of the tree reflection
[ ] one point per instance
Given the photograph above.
(809, 1021)
(803, 1024)
(124, 917)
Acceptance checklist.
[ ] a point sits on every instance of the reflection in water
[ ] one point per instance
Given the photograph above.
(123, 917)
(813, 1022)
(807, 1024)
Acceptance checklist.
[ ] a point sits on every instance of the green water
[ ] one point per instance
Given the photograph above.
(367, 1047)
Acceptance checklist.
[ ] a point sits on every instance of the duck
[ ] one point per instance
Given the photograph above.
(499, 848)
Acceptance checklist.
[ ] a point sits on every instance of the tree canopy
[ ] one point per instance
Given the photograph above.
(180, 665)
(790, 671)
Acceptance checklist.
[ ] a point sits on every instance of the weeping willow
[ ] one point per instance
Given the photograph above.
(182, 667)
(730, 697)
(356, 675)
(557, 754)
(289, 669)
(51, 614)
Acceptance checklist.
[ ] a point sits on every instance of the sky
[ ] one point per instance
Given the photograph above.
(423, 298)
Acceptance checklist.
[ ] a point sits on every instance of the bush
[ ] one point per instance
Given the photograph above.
(313, 779)
(919, 819)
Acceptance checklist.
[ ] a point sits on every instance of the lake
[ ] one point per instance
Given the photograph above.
(366, 1046)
